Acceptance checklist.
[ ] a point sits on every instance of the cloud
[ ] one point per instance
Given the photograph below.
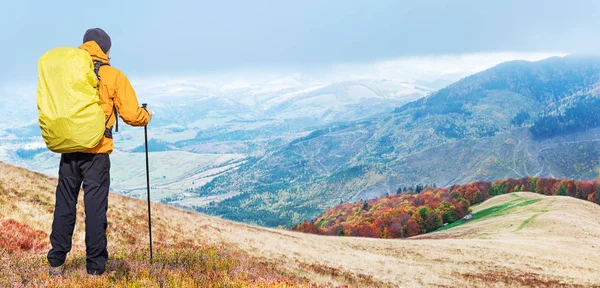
(447, 67)
(430, 68)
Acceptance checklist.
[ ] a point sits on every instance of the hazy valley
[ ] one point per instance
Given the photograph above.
(203, 132)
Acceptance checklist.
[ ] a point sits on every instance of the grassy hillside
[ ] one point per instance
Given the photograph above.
(557, 248)
(182, 259)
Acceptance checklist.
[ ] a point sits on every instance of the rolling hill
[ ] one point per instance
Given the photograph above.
(551, 242)
(516, 119)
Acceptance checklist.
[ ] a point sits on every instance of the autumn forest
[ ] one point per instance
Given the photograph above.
(411, 212)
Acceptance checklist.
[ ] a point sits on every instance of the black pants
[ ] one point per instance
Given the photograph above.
(94, 171)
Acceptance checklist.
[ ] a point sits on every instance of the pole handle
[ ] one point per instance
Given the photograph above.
(144, 105)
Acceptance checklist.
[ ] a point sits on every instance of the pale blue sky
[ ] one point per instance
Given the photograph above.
(151, 37)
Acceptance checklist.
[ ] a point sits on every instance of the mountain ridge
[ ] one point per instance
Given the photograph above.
(473, 111)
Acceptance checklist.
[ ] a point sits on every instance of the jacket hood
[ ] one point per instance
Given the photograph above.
(95, 51)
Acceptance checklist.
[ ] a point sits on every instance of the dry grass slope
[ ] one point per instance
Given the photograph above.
(550, 242)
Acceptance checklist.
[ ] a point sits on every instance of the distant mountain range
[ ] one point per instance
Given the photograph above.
(516, 119)
(249, 118)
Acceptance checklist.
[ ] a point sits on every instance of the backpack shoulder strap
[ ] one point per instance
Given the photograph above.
(108, 131)
(97, 65)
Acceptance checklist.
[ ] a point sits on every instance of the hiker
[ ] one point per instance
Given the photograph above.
(92, 166)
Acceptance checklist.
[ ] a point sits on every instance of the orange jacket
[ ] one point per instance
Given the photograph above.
(116, 90)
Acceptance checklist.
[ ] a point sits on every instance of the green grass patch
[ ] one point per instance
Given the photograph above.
(526, 222)
(494, 211)
(453, 224)
(528, 202)
(502, 209)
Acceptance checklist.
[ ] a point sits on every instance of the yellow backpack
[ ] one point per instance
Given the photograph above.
(69, 110)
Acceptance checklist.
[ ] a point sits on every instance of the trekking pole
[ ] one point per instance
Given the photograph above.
(148, 183)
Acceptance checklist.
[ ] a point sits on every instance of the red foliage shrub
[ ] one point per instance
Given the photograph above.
(17, 237)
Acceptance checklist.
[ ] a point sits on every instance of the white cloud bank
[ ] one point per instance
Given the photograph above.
(408, 69)
(429, 68)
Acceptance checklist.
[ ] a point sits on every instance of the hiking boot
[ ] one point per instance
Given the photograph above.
(95, 272)
(56, 271)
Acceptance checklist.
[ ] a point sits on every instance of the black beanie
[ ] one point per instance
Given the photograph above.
(98, 35)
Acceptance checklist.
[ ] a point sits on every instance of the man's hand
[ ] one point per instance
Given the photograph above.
(150, 113)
